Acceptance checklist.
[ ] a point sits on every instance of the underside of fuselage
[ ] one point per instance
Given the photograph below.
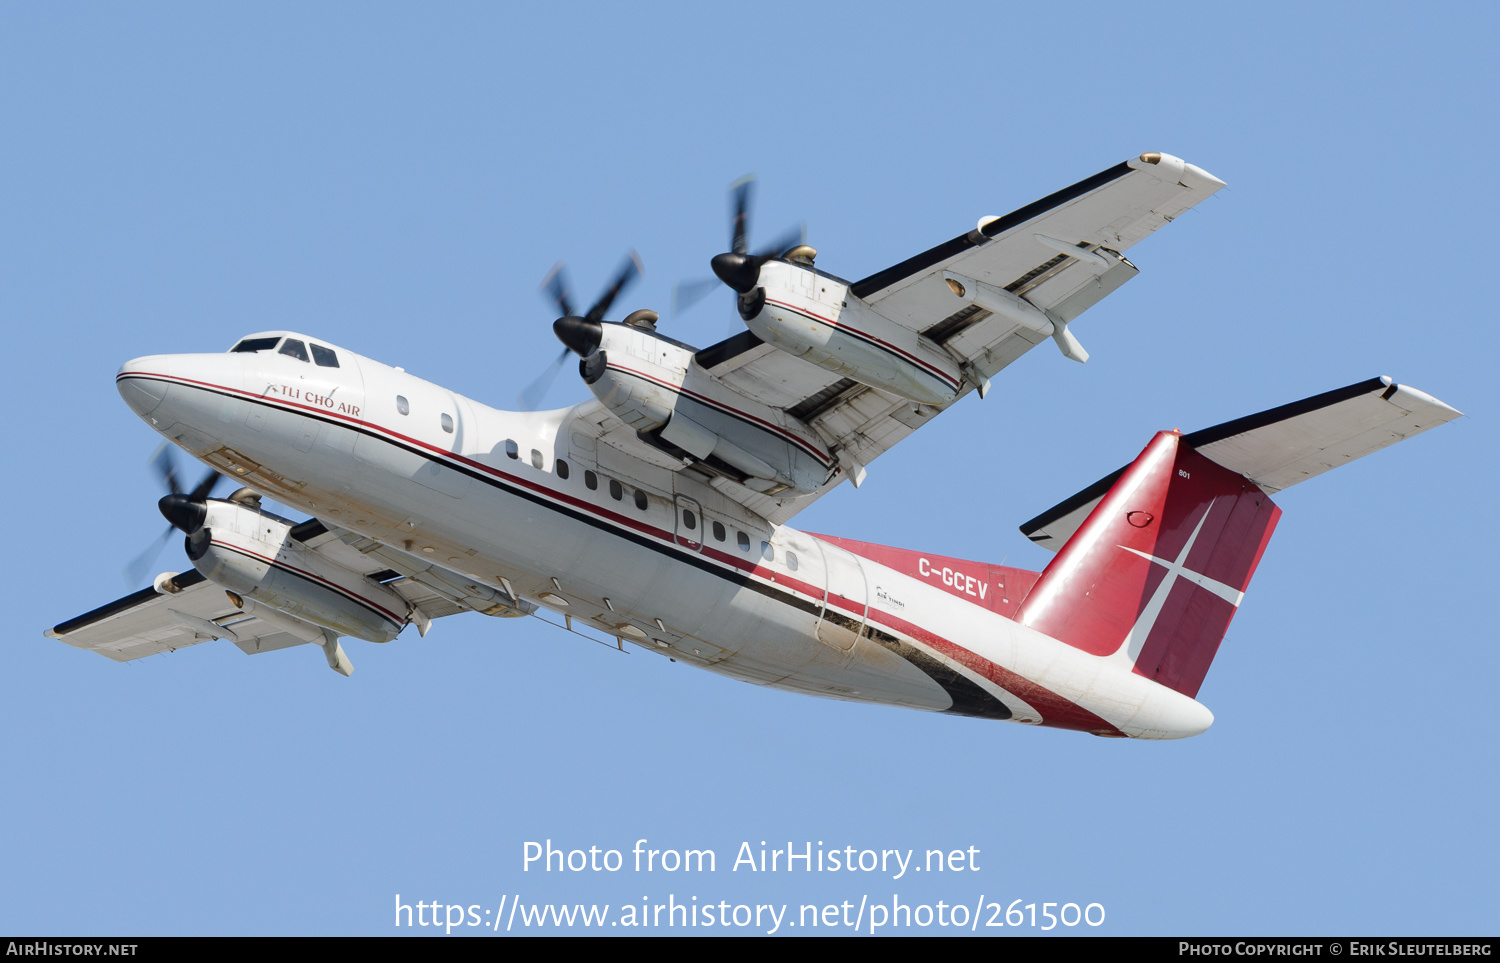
(479, 492)
(696, 601)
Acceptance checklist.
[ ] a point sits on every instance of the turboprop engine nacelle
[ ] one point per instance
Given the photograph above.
(252, 554)
(814, 317)
(654, 385)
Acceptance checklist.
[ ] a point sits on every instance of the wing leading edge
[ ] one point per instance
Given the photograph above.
(177, 611)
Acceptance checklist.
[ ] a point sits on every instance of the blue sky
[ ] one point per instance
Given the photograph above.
(399, 181)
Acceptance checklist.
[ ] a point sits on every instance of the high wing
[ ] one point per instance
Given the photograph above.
(185, 609)
(1059, 255)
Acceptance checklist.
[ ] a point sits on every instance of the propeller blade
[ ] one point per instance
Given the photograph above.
(628, 272)
(685, 294)
(206, 487)
(784, 243)
(532, 396)
(555, 286)
(738, 268)
(164, 463)
(140, 566)
(739, 234)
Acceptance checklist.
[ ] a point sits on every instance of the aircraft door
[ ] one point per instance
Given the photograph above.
(689, 523)
(845, 600)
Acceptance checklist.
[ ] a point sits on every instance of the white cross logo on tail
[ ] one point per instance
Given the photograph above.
(1130, 646)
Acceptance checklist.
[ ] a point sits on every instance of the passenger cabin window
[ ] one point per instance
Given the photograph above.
(767, 552)
(512, 450)
(689, 520)
(719, 532)
(536, 458)
(402, 406)
(447, 421)
(252, 345)
(742, 540)
(293, 348)
(324, 357)
(640, 500)
(562, 469)
(590, 480)
(616, 490)
(791, 561)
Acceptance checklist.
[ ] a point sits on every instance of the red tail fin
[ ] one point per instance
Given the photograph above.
(1155, 574)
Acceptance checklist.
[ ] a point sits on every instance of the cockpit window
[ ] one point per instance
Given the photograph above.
(294, 349)
(324, 357)
(252, 345)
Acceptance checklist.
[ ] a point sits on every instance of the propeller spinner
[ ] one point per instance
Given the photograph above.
(738, 267)
(184, 510)
(579, 333)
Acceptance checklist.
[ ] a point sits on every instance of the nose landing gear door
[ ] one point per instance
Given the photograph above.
(846, 598)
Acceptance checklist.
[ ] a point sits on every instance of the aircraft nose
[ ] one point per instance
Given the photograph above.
(141, 383)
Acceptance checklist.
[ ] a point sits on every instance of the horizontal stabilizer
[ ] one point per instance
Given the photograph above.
(1278, 448)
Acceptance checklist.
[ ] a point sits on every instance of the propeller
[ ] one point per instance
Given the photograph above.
(184, 510)
(738, 268)
(579, 334)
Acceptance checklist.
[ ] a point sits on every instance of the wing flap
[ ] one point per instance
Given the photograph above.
(435, 591)
(376, 561)
(265, 638)
(773, 377)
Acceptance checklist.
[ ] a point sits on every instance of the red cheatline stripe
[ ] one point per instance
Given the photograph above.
(434, 453)
(750, 568)
(866, 336)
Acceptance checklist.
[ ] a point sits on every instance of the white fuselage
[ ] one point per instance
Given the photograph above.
(646, 554)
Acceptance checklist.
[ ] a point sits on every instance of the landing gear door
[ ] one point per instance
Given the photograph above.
(846, 598)
(689, 524)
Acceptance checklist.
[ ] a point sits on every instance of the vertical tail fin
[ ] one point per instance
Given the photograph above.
(1152, 579)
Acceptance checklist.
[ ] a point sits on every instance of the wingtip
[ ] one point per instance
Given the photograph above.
(1447, 411)
(1169, 167)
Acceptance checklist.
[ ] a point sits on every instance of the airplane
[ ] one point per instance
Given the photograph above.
(655, 512)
